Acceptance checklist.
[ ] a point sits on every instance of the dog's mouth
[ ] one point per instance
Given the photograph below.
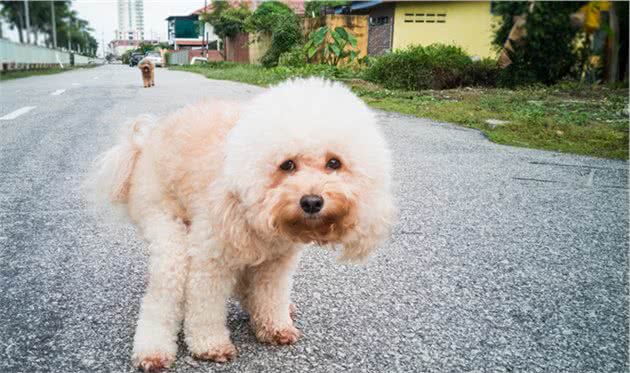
(321, 227)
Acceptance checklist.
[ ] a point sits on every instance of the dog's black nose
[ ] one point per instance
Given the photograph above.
(311, 203)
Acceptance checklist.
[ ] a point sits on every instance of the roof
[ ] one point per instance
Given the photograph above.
(188, 42)
(357, 5)
(207, 9)
(190, 16)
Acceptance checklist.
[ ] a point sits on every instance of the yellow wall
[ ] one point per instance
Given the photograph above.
(259, 44)
(467, 24)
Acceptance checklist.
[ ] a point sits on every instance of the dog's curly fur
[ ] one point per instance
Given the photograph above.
(212, 192)
(148, 72)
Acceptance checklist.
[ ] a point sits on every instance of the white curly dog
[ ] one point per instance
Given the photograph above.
(227, 195)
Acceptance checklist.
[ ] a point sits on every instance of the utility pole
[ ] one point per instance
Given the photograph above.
(205, 16)
(54, 23)
(28, 22)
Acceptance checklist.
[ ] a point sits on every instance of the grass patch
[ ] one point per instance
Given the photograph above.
(585, 120)
(256, 75)
(17, 74)
(261, 76)
(569, 118)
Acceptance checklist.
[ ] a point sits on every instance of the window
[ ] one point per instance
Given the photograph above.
(425, 18)
(379, 21)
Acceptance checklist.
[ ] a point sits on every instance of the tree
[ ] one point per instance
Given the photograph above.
(13, 13)
(316, 8)
(546, 52)
(277, 20)
(72, 32)
(228, 21)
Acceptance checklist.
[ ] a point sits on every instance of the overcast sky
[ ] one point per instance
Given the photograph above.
(103, 16)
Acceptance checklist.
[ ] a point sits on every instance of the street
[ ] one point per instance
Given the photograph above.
(504, 259)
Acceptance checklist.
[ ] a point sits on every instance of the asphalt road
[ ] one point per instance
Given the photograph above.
(504, 259)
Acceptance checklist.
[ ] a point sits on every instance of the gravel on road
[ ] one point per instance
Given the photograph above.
(503, 260)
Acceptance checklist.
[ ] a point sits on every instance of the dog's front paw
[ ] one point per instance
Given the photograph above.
(153, 362)
(219, 353)
(278, 336)
(152, 351)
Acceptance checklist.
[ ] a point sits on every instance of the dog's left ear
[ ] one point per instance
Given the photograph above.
(375, 218)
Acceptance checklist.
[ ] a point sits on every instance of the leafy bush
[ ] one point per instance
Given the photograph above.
(126, 56)
(483, 73)
(332, 45)
(547, 53)
(278, 20)
(296, 57)
(436, 66)
(167, 57)
(265, 17)
(221, 64)
(324, 71)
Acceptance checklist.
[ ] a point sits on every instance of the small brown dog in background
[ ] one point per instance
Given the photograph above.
(148, 72)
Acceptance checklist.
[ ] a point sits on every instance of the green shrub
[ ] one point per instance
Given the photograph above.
(278, 20)
(482, 73)
(221, 64)
(280, 73)
(167, 58)
(265, 17)
(296, 57)
(436, 66)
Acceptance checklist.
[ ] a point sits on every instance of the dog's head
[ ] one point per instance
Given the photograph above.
(308, 163)
(145, 68)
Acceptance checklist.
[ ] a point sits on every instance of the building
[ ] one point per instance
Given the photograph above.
(187, 32)
(119, 47)
(399, 24)
(139, 18)
(130, 20)
(184, 32)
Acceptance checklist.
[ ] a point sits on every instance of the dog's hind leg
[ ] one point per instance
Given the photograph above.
(267, 299)
(161, 312)
(153, 77)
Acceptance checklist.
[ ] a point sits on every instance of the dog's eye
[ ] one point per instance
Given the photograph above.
(288, 165)
(333, 164)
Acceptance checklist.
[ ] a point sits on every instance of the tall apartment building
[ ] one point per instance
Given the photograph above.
(139, 17)
(130, 20)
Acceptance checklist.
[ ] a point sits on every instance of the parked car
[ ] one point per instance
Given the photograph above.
(156, 58)
(135, 58)
(198, 60)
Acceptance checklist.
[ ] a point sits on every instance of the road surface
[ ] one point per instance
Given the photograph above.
(503, 260)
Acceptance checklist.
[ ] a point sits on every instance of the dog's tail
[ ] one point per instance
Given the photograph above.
(109, 180)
